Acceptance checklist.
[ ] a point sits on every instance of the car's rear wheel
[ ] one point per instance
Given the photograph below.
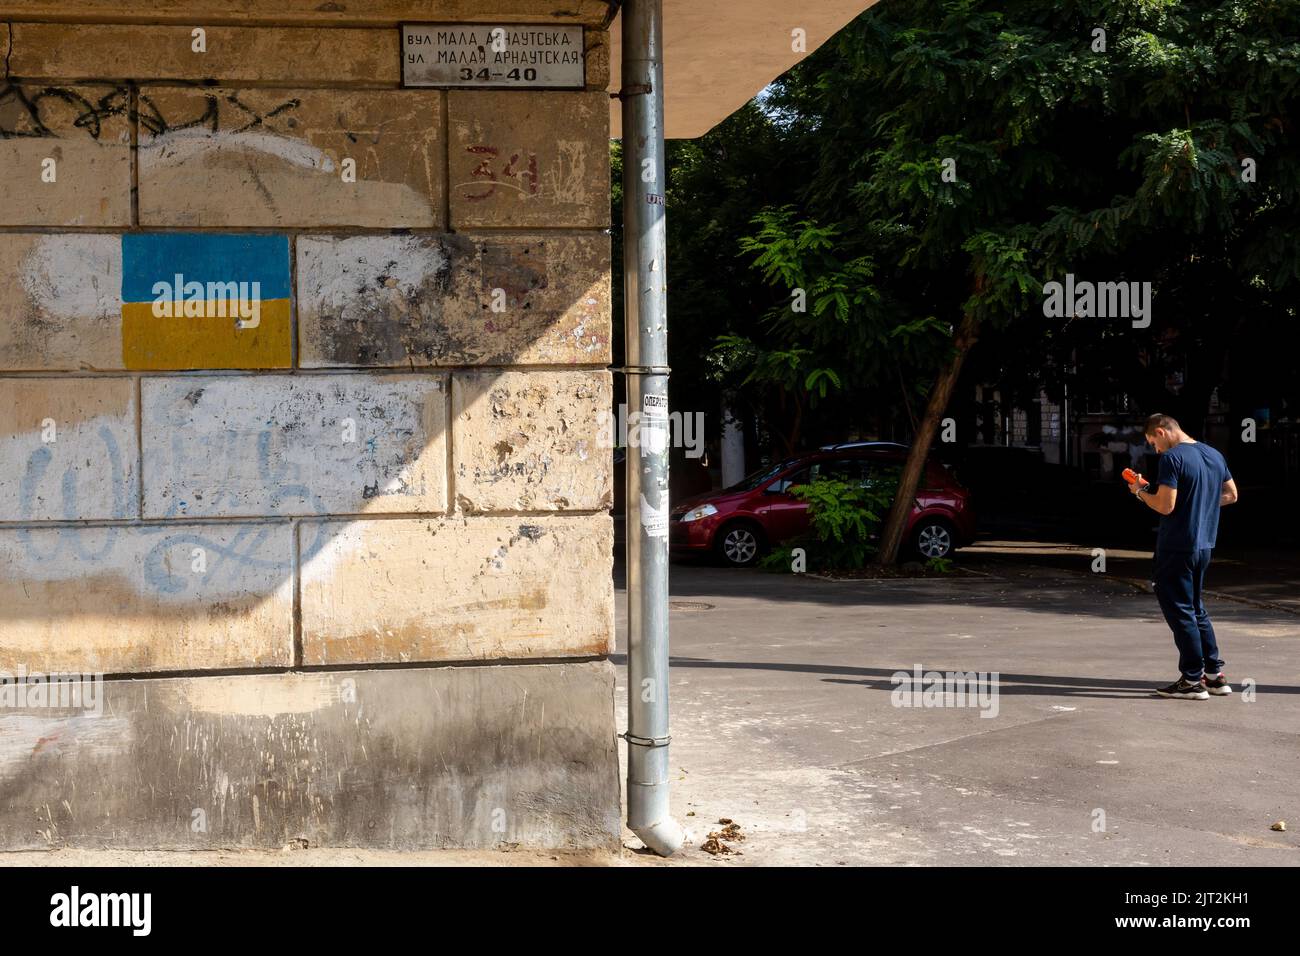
(933, 538)
(739, 544)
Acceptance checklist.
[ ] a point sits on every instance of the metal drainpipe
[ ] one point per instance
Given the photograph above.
(645, 249)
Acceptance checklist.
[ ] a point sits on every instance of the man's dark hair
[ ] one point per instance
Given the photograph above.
(1167, 422)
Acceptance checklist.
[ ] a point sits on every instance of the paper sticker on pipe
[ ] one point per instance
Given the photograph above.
(653, 432)
(654, 520)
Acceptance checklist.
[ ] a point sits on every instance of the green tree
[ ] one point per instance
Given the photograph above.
(981, 149)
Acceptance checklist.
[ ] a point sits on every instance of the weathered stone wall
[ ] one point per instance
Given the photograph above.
(392, 459)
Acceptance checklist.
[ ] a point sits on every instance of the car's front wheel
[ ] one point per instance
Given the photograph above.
(933, 538)
(739, 544)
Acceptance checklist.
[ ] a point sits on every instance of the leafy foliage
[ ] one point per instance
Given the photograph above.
(844, 517)
(1122, 163)
(939, 565)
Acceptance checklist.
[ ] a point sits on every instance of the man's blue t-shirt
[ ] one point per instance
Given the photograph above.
(1198, 472)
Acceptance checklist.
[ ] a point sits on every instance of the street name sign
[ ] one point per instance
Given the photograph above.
(493, 55)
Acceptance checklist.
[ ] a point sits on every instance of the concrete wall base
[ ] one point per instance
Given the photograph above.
(420, 758)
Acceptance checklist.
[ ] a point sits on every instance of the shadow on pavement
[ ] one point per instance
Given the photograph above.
(879, 678)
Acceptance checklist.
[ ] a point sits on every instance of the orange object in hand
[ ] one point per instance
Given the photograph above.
(1132, 477)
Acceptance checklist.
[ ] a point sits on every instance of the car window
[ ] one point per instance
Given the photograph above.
(783, 485)
(842, 469)
(885, 475)
(760, 477)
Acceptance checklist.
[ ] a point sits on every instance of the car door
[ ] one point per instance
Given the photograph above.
(787, 516)
(930, 491)
(784, 516)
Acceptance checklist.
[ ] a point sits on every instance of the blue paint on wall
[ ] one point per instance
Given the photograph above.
(203, 257)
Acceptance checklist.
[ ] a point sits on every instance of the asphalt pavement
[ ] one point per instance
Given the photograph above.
(785, 720)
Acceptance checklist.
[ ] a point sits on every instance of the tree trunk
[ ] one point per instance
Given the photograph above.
(891, 538)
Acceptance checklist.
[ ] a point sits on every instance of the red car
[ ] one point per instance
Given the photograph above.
(740, 522)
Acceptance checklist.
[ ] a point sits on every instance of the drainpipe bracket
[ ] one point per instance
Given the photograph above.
(633, 739)
(643, 370)
(635, 89)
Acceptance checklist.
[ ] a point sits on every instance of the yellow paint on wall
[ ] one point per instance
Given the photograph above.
(162, 344)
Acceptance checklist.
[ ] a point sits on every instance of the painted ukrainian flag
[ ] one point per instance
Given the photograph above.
(205, 300)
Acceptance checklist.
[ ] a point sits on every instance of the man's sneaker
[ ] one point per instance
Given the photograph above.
(1217, 684)
(1184, 689)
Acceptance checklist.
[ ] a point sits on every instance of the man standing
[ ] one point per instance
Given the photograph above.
(1193, 484)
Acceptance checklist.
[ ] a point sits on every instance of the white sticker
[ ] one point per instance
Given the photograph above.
(654, 520)
(654, 424)
(655, 406)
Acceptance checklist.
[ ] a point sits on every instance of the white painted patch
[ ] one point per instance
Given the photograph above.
(87, 473)
(73, 277)
(178, 146)
(274, 445)
(243, 562)
(354, 276)
(254, 696)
